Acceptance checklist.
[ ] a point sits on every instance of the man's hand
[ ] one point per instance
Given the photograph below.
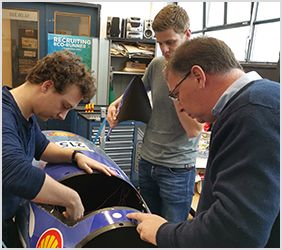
(88, 164)
(192, 127)
(113, 112)
(148, 225)
(53, 192)
(74, 210)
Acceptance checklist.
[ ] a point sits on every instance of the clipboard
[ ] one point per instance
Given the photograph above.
(135, 104)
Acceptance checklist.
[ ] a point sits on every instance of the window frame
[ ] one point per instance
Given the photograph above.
(252, 23)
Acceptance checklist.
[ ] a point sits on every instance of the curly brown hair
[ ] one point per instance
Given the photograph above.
(172, 16)
(64, 68)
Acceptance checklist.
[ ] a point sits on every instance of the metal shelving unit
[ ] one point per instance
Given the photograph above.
(121, 147)
(118, 78)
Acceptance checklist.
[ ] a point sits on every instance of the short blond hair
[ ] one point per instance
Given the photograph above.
(171, 16)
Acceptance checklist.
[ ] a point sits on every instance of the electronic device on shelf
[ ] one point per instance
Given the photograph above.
(134, 28)
(148, 29)
(113, 27)
(134, 35)
(134, 24)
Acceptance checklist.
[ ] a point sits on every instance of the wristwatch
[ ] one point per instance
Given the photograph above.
(73, 160)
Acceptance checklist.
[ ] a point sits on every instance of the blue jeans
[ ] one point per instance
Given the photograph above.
(168, 192)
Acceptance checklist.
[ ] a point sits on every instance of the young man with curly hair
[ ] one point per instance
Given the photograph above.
(56, 84)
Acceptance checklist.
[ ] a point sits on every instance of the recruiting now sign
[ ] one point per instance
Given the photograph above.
(79, 45)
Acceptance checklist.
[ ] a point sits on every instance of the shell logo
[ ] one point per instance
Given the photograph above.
(51, 238)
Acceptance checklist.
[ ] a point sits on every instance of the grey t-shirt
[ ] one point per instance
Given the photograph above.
(165, 141)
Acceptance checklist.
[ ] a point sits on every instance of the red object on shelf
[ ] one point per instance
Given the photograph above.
(207, 126)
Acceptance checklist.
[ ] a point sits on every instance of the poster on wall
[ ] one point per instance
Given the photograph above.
(80, 45)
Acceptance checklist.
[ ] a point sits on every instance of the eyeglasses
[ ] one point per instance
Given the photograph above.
(173, 94)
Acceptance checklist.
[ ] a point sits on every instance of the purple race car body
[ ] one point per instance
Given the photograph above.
(106, 199)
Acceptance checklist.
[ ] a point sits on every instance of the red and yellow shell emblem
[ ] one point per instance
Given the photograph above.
(51, 238)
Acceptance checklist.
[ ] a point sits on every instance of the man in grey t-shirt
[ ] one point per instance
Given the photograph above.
(168, 155)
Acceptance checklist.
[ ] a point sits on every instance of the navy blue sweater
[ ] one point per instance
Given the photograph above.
(22, 141)
(240, 200)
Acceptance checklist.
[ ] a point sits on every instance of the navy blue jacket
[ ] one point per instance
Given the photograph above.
(22, 141)
(240, 200)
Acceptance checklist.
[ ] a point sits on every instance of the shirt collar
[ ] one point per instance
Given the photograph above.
(233, 89)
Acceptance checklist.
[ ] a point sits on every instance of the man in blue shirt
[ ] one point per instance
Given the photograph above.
(56, 84)
(240, 199)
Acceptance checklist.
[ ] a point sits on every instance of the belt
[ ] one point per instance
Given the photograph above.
(188, 166)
